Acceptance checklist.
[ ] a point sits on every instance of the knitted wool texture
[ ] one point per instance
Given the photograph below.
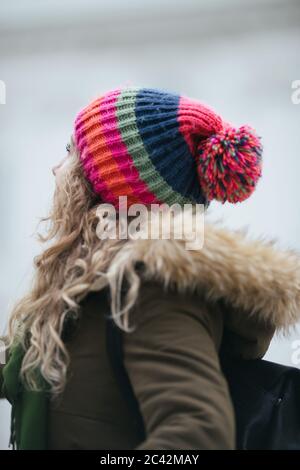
(154, 146)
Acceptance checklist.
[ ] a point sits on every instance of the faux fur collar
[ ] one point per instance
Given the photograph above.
(251, 275)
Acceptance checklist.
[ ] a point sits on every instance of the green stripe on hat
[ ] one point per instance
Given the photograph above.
(125, 113)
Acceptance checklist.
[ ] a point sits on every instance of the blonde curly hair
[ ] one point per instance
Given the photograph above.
(65, 272)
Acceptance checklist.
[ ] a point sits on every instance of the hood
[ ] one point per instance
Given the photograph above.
(251, 275)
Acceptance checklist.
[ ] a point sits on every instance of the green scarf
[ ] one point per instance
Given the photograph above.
(29, 408)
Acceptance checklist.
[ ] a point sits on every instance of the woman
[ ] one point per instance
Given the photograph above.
(174, 307)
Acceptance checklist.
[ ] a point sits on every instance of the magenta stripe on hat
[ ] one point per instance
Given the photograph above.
(119, 149)
(196, 120)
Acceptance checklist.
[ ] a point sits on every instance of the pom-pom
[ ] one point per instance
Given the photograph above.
(229, 164)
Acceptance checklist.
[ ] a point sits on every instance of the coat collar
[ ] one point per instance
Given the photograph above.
(252, 275)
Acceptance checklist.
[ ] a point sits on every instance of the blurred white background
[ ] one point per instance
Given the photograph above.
(241, 57)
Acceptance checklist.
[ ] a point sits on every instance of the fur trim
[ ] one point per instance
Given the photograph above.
(250, 275)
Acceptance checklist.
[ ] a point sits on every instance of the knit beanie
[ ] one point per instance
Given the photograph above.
(155, 147)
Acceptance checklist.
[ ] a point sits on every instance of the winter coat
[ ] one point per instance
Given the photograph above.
(193, 305)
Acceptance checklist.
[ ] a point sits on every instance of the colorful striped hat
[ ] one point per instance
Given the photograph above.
(154, 146)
